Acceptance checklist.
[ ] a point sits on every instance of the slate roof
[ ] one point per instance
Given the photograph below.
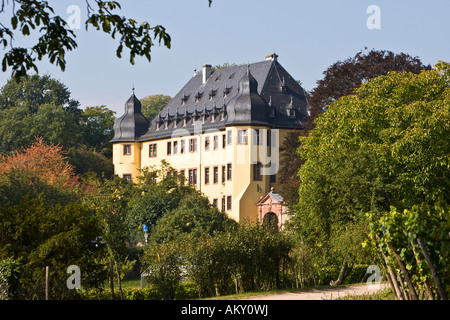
(260, 93)
(132, 124)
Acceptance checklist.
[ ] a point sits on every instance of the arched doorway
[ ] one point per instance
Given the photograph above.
(270, 221)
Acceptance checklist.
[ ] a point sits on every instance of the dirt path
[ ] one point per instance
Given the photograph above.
(322, 294)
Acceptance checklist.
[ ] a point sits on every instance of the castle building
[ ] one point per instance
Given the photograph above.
(222, 132)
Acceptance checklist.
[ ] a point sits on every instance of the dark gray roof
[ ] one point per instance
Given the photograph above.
(130, 126)
(260, 93)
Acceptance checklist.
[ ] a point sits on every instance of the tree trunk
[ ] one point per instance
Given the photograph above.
(434, 273)
(412, 291)
(426, 282)
(111, 278)
(395, 289)
(345, 270)
(119, 281)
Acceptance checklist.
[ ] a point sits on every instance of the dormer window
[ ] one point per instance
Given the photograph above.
(212, 93)
(283, 87)
(198, 96)
(184, 99)
(226, 91)
(292, 113)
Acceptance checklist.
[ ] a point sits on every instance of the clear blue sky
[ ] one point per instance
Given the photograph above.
(308, 36)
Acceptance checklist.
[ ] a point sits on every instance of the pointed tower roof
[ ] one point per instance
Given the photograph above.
(132, 124)
(249, 107)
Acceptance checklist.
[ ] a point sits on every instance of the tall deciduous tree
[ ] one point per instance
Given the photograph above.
(37, 169)
(386, 144)
(55, 37)
(152, 105)
(340, 79)
(37, 106)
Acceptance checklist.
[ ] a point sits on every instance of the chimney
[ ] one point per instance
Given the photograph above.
(206, 72)
(272, 57)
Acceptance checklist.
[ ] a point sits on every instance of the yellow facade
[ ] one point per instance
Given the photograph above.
(221, 161)
(222, 131)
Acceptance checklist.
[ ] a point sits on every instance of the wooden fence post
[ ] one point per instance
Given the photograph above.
(434, 273)
(426, 282)
(412, 292)
(46, 282)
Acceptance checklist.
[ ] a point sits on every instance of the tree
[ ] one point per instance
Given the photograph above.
(194, 216)
(157, 193)
(37, 106)
(37, 169)
(386, 144)
(340, 79)
(37, 233)
(97, 127)
(41, 106)
(109, 200)
(55, 37)
(163, 264)
(152, 105)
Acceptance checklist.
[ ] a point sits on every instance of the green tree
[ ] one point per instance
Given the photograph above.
(37, 107)
(194, 216)
(152, 105)
(37, 234)
(109, 200)
(97, 127)
(163, 265)
(386, 144)
(340, 79)
(55, 38)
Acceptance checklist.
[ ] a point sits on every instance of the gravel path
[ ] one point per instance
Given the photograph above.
(322, 294)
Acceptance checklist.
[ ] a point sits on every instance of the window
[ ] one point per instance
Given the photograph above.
(128, 177)
(223, 204)
(228, 202)
(224, 174)
(127, 149)
(215, 174)
(292, 113)
(206, 175)
(182, 146)
(216, 142)
(257, 171)
(193, 177)
(229, 171)
(269, 143)
(229, 137)
(193, 145)
(169, 148)
(175, 147)
(224, 141)
(216, 203)
(152, 150)
(242, 136)
(207, 143)
(257, 137)
(273, 178)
